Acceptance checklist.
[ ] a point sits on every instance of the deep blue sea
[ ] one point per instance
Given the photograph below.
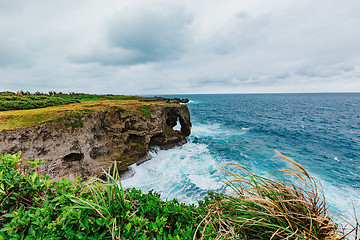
(320, 131)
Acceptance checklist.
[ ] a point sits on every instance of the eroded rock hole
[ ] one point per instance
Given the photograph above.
(177, 126)
(172, 118)
(72, 157)
(178, 123)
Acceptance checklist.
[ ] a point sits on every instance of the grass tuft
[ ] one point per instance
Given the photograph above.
(108, 199)
(290, 206)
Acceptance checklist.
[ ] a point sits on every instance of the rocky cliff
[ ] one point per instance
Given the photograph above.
(84, 146)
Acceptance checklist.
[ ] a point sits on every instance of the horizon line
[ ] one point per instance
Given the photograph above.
(255, 93)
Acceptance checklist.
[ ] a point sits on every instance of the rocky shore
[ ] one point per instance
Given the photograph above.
(102, 137)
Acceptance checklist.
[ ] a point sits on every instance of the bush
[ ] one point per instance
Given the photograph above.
(26, 100)
(34, 207)
(15, 102)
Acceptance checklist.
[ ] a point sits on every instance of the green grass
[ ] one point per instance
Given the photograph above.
(146, 110)
(22, 101)
(32, 206)
(24, 109)
(17, 119)
(82, 97)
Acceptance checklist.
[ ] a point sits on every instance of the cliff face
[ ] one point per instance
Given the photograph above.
(85, 146)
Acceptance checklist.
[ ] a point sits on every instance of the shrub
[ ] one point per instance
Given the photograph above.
(34, 207)
(22, 102)
(26, 100)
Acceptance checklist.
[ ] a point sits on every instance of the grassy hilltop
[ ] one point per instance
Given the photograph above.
(27, 100)
(20, 110)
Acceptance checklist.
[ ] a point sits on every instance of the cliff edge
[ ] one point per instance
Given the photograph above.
(87, 139)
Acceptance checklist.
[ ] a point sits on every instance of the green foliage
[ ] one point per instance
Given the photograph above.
(82, 97)
(35, 207)
(26, 100)
(145, 110)
(16, 102)
(73, 119)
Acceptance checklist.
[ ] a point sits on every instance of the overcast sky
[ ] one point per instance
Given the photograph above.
(173, 47)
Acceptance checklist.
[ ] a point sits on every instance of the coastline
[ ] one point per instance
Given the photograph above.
(89, 137)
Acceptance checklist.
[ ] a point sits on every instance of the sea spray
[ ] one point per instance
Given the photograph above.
(187, 173)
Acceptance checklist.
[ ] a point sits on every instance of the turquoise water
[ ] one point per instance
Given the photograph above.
(320, 131)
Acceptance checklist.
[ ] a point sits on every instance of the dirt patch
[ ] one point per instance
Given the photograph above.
(2, 117)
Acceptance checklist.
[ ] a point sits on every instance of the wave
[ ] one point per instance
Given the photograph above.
(215, 130)
(187, 173)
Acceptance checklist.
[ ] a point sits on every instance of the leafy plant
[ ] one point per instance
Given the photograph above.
(34, 207)
(108, 199)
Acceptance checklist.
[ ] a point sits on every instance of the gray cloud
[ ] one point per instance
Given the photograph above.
(154, 47)
(9, 57)
(156, 34)
(9, 7)
(138, 36)
(110, 56)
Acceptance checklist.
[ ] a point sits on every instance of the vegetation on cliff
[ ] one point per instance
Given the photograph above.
(26, 100)
(32, 206)
(27, 110)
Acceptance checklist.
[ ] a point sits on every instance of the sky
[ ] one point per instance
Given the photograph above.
(180, 47)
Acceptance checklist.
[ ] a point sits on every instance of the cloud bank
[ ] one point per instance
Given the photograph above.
(172, 47)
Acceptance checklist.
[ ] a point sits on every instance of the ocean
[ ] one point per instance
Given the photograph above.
(320, 131)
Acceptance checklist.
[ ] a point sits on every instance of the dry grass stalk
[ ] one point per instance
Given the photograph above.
(263, 208)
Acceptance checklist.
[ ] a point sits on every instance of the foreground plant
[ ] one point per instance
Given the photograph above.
(34, 207)
(280, 208)
(108, 201)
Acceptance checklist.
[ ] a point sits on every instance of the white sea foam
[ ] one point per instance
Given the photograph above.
(203, 130)
(205, 181)
(342, 201)
(187, 173)
(341, 198)
(215, 130)
(177, 126)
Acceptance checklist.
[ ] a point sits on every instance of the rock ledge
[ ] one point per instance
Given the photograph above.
(102, 138)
